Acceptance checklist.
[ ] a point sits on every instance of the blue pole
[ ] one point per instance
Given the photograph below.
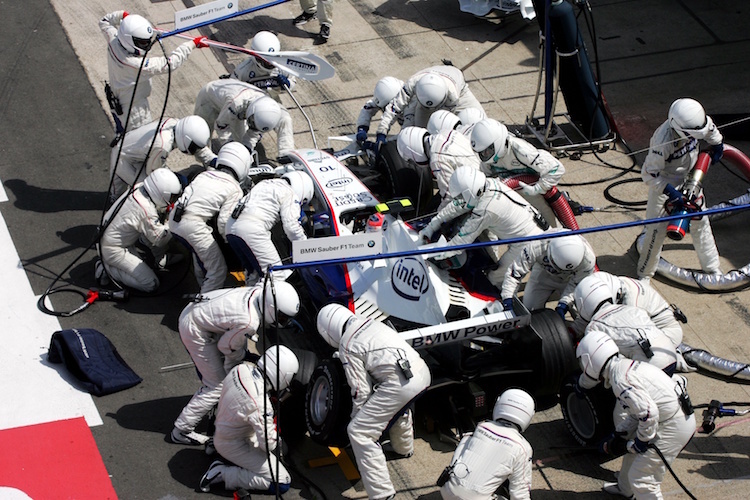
(543, 236)
(224, 18)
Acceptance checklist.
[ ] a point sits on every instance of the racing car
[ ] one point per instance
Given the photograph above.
(447, 312)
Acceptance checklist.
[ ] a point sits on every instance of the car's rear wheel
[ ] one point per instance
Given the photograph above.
(405, 179)
(558, 357)
(328, 404)
(587, 416)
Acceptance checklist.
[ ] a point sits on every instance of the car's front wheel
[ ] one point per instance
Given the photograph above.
(328, 404)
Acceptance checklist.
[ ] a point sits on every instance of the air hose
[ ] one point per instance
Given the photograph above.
(92, 295)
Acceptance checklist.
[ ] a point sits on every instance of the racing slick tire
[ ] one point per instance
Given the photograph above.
(558, 357)
(328, 404)
(588, 416)
(405, 179)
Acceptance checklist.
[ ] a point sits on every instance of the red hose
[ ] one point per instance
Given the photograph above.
(557, 202)
(738, 159)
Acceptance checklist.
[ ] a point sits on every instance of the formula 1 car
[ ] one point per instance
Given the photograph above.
(444, 311)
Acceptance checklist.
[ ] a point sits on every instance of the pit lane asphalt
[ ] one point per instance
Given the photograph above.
(54, 137)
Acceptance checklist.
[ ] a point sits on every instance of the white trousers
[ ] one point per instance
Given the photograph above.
(252, 469)
(370, 422)
(641, 474)
(208, 261)
(653, 240)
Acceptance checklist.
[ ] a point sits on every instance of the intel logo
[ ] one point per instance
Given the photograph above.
(342, 181)
(409, 278)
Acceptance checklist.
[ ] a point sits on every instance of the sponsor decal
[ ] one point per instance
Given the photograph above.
(465, 333)
(409, 278)
(301, 65)
(351, 199)
(341, 181)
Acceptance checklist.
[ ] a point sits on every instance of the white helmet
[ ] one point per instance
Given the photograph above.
(411, 145)
(265, 41)
(590, 294)
(135, 34)
(302, 185)
(264, 114)
(281, 303)
(467, 183)
(614, 284)
(470, 116)
(688, 118)
(489, 139)
(191, 134)
(386, 90)
(431, 90)
(280, 365)
(515, 406)
(332, 320)
(593, 352)
(566, 253)
(236, 158)
(163, 187)
(442, 120)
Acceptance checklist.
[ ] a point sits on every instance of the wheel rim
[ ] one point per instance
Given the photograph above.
(319, 401)
(581, 417)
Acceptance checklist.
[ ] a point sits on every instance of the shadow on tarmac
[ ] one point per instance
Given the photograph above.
(44, 200)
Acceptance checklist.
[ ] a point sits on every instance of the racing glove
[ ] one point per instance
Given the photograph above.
(507, 304)
(675, 200)
(637, 446)
(283, 81)
(561, 309)
(425, 234)
(361, 133)
(614, 444)
(531, 189)
(379, 140)
(200, 42)
(716, 152)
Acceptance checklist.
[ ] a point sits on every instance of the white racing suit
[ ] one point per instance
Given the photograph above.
(324, 9)
(215, 332)
(225, 103)
(545, 278)
(640, 294)
(123, 70)
(405, 103)
(137, 218)
(211, 194)
(213, 97)
(627, 325)
(249, 234)
(653, 415)
(129, 169)
(484, 460)
(370, 352)
(256, 73)
(669, 161)
(523, 158)
(501, 211)
(246, 431)
(448, 151)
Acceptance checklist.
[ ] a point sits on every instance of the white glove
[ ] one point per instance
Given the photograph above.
(531, 190)
(426, 233)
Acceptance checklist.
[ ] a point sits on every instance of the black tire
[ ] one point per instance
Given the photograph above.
(558, 358)
(404, 179)
(587, 417)
(328, 404)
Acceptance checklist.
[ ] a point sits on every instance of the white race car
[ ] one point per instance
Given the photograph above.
(447, 313)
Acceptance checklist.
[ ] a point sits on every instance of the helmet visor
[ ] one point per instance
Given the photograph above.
(193, 148)
(282, 320)
(487, 153)
(142, 43)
